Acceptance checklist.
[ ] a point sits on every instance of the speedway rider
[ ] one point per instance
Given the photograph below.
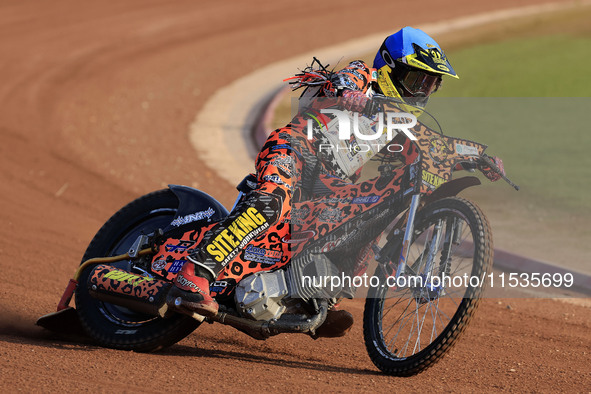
(408, 66)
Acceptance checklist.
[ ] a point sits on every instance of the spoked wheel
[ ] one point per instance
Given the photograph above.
(115, 326)
(410, 322)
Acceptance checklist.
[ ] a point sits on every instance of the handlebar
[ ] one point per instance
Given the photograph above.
(379, 100)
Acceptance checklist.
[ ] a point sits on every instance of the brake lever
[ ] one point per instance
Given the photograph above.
(486, 159)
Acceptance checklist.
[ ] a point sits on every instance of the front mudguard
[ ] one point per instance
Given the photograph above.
(451, 188)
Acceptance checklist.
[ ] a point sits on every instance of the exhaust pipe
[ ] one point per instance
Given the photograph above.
(262, 329)
(148, 295)
(138, 293)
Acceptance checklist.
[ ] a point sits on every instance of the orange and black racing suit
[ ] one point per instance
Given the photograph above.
(255, 236)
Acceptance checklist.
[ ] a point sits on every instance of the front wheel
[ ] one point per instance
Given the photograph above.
(115, 326)
(409, 324)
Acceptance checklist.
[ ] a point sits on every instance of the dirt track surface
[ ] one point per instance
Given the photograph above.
(96, 102)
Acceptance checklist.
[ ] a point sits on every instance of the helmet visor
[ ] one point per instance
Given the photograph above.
(419, 83)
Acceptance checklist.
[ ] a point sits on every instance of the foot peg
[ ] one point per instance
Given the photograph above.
(178, 306)
(191, 304)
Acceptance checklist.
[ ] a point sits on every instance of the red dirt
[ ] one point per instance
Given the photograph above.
(96, 102)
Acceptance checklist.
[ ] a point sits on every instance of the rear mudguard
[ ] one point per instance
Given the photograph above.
(192, 201)
(448, 189)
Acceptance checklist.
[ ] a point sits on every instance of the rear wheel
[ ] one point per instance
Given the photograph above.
(410, 327)
(115, 326)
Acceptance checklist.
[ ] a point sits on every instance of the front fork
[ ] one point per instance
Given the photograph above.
(452, 230)
(408, 232)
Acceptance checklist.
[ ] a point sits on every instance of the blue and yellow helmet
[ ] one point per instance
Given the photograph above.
(410, 65)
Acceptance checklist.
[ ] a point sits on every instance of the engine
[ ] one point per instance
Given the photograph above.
(259, 296)
(267, 295)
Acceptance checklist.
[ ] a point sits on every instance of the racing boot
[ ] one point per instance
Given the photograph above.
(190, 292)
(337, 324)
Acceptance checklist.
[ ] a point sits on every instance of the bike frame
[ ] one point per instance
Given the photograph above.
(429, 179)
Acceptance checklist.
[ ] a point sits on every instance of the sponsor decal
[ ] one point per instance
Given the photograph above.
(436, 55)
(176, 266)
(131, 279)
(432, 179)
(346, 81)
(366, 199)
(297, 215)
(126, 332)
(466, 150)
(438, 149)
(330, 215)
(187, 284)
(287, 147)
(330, 245)
(285, 163)
(181, 247)
(298, 237)
(241, 231)
(357, 74)
(218, 286)
(281, 146)
(276, 179)
(335, 200)
(415, 62)
(194, 217)
(158, 265)
(285, 136)
(262, 255)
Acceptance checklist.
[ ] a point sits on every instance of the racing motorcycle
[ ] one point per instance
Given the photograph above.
(420, 298)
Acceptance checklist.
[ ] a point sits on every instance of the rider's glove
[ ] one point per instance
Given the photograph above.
(490, 173)
(354, 100)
